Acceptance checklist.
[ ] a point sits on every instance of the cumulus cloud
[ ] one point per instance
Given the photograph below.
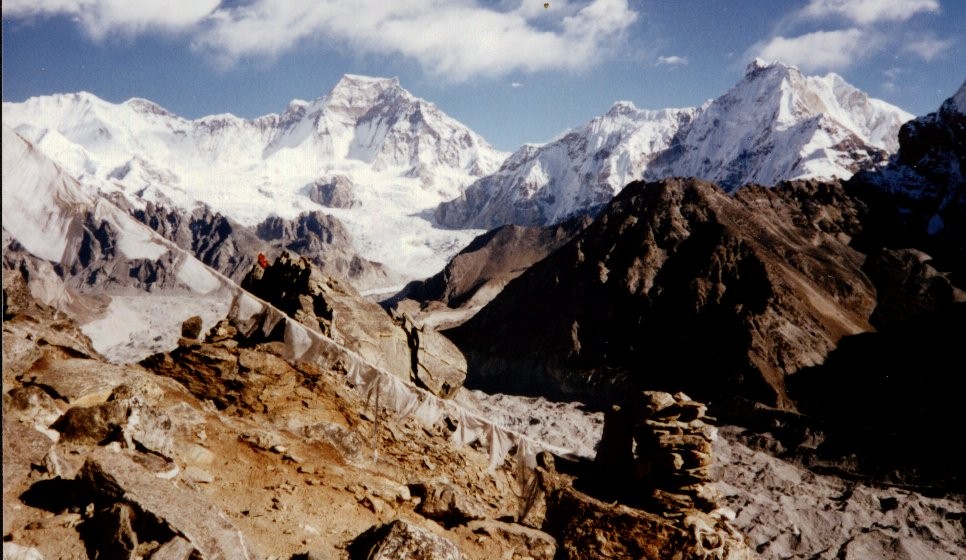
(516, 85)
(928, 48)
(98, 18)
(672, 60)
(867, 12)
(832, 50)
(454, 39)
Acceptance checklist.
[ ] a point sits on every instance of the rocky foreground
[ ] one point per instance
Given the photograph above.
(235, 452)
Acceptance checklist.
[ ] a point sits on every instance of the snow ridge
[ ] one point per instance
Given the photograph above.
(774, 124)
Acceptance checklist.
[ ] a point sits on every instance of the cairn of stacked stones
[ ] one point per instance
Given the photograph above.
(672, 453)
(656, 455)
(656, 451)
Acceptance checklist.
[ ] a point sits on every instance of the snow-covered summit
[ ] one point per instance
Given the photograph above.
(774, 124)
(581, 169)
(402, 156)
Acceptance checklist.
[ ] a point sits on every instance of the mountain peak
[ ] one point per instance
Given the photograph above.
(359, 92)
(759, 64)
(147, 107)
(356, 81)
(621, 108)
(959, 99)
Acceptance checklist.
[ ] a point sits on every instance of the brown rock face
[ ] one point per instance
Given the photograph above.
(678, 286)
(338, 311)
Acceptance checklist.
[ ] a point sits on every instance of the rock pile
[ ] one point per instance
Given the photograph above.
(655, 456)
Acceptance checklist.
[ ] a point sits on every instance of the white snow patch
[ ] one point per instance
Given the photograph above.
(133, 327)
(197, 276)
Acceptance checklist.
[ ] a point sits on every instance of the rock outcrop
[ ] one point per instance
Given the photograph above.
(332, 192)
(218, 241)
(325, 241)
(232, 248)
(396, 345)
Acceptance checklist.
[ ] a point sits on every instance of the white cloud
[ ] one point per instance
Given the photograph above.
(454, 39)
(866, 12)
(98, 18)
(820, 50)
(516, 85)
(672, 60)
(928, 48)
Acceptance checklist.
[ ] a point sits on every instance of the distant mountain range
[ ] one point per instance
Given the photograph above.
(775, 124)
(395, 155)
(393, 168)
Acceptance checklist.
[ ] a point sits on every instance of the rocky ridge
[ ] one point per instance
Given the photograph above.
(670, 263)
(475, 275)
(393, 344)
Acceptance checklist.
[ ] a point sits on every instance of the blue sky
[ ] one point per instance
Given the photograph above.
(512, 70)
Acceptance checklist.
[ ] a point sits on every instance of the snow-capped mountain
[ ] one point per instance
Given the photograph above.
(774, 124)
(542, 185)
(401, 155)
(779, 124)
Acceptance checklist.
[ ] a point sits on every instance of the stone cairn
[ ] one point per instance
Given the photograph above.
(656, 452)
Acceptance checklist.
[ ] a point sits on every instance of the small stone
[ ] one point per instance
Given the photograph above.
(197, 475)
(292, 458)
(279, 449)
(374, 504)
(191, 328)
(306, 469)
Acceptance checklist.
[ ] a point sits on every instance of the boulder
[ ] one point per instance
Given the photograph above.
(333, 192)
(175, 549)
(525, 541)
(399, 539)
(23, 447)
(78, 381)
(191, 328)
(13, 551)
(117, 476)
(445, 503)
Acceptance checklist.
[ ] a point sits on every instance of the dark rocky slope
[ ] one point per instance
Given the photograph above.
(678, 286)
(480, 271)
(920, 199)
